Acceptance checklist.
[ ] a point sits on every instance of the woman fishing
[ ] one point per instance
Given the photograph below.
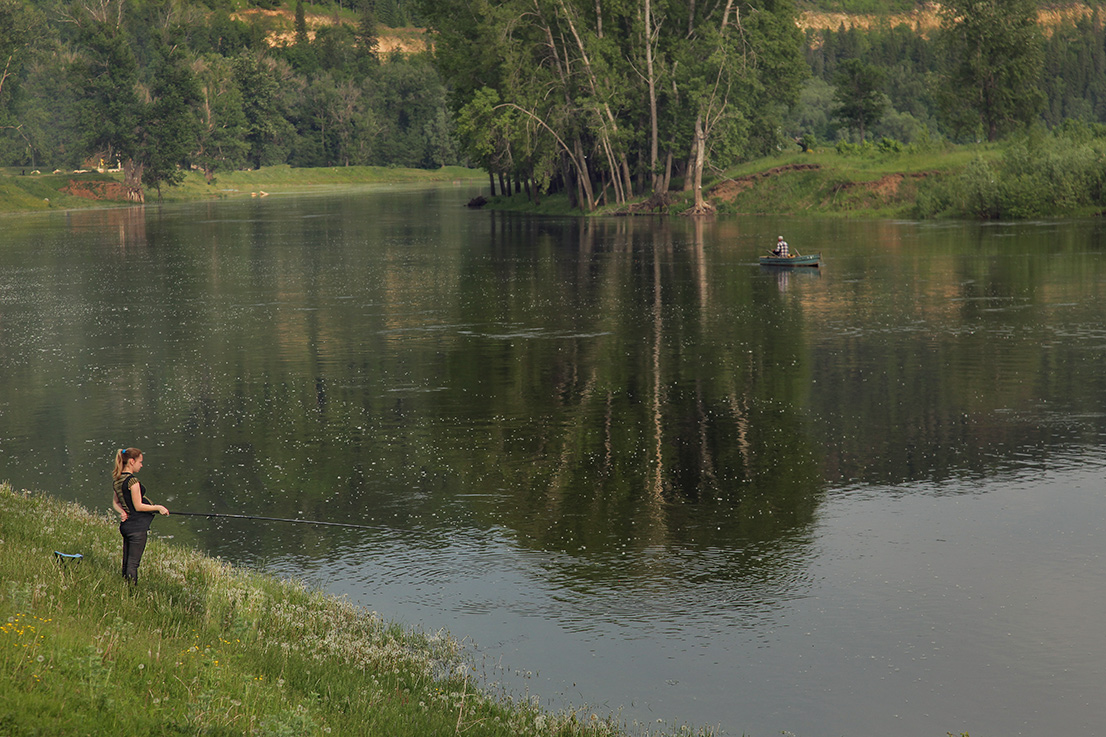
(137, 513)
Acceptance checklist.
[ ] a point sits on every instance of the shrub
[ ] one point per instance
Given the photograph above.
(1036, 176)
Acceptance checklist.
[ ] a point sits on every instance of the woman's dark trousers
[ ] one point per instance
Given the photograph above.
(134, 543)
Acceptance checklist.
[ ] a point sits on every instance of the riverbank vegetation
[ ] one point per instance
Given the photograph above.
(1040, 173)
(202, 647)
(1036, 174)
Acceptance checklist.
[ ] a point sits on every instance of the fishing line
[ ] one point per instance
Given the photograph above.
(276, 519)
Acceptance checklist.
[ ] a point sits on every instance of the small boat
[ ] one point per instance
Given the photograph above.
(809, 260)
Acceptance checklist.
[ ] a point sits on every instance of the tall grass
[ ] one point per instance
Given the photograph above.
(202, 648)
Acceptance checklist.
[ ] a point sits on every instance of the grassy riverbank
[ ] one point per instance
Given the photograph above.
(203, 648)
(860, 182)
(21, 190)
(869, 181)
(1041, 174)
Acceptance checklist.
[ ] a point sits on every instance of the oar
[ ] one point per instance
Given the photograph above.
(276, 519)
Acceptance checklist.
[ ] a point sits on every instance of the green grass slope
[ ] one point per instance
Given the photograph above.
(202, 648)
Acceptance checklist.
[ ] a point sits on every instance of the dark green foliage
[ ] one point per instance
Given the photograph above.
(411, 105)
(110, 113)
(609, 100)
(858, 94)
(926, 98)
(21, 29)
(91, 81)
(267, 129)
(991, 80)
(366, 35)
(1038, 175)
(301, 23)
(84, 77)
(221, 140)
(1074, 78)
(171, 126)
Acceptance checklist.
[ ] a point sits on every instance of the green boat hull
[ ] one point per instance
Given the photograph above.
(811, 260)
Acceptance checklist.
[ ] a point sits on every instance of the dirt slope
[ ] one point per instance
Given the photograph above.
(926, 18)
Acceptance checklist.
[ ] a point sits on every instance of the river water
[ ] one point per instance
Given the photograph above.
(638, 472)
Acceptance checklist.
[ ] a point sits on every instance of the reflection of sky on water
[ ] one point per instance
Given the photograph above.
(648, 633)
(907, 611)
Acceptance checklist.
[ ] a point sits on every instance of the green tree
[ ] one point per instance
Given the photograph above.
(405, 96)
(366, 33)
(610, 95)
(170, 128)
(111, 111)
(260, 81)
(858, 94)
(339, 127)
(740, 66)
(301, 24)
(221, 140)
(994, 60)
(49, 116)
(22, 30)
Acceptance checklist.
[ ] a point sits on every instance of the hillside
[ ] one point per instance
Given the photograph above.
(925, 18)
(282, 29)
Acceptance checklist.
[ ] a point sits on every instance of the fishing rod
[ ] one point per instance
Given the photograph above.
(274, 519)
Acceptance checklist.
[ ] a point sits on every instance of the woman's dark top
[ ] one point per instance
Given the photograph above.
(136, 520)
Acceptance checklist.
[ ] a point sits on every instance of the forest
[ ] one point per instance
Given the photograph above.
(606, 101)
(156, 87)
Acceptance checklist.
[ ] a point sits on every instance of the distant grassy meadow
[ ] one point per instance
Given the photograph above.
(200, 647)
(21, 190)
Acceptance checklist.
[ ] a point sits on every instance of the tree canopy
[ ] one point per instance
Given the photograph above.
(994, 62)
(609, 100)
(161, 86)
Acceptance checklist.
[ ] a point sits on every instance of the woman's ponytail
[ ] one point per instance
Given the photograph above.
(121, 457)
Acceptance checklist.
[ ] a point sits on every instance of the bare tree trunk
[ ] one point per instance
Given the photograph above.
(584, 178)
(616, 178)
(575, 154)
(689, 174)
(619, 164)
(651, 79)
(700, 156)
(132, 180)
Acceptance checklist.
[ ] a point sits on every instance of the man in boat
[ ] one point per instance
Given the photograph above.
(781, 248)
